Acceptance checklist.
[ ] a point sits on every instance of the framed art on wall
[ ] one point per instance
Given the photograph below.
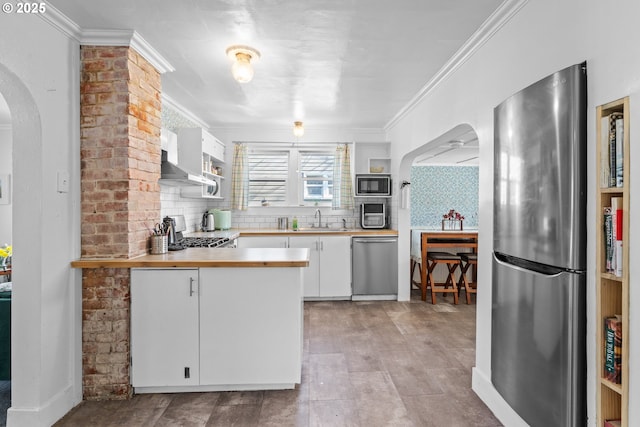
(5, 189)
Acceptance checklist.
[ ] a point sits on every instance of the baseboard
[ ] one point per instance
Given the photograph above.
(45, 415)
(483, 387)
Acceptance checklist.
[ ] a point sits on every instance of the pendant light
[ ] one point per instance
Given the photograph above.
(242, 70)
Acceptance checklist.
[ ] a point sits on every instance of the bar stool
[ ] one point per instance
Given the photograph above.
(416, 262)
(452, 262)
(468, 259)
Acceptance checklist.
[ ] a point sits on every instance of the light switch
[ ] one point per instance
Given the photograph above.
(63, 182)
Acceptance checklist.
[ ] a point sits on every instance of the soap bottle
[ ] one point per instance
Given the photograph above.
(294, 224)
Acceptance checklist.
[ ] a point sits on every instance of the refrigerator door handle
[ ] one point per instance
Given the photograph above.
(525, 265)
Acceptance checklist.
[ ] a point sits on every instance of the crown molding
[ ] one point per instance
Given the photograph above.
(170, 102)
(150, 54)
(95, 37)
(129, 38)
(497, 20)
(61, 22)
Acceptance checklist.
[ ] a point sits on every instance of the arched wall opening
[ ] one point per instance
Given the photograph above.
(404, 208)
(26, 196)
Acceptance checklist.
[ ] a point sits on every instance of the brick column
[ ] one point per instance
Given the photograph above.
(120, 166)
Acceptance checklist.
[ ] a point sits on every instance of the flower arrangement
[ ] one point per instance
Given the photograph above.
(452, 220)
(5, 255)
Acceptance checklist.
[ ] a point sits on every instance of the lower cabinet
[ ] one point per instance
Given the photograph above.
(164, 328)
(329, 271)
(213, 329)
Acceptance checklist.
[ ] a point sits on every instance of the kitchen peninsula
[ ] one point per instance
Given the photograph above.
(214, 319)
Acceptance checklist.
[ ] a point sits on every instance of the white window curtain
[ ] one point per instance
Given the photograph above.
(240, 178)
(342, 183)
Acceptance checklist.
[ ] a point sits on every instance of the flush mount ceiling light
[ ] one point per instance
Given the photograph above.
(242, 55)
(298, 129)
(456, 143)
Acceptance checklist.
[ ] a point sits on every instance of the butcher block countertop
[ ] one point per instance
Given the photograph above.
(317, 231)
(206, 257)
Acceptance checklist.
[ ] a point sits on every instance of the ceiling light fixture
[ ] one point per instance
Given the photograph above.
(242, 55)
(298, 129)
(456, 143)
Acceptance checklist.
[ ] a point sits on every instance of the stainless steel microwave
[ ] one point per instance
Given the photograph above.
(373, 185)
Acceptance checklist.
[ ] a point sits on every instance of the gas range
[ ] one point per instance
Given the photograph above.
(182, 242)
(203, 242)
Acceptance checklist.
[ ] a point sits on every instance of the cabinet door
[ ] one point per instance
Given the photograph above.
(311, 275)
(335, 266)
(250, 326)
(263, 242)
(164, 327)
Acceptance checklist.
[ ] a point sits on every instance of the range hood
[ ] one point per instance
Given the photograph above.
(172, 174)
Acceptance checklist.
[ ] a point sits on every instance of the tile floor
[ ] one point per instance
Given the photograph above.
(365, 364)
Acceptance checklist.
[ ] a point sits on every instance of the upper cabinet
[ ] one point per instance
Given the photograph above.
(169, 143)
(200, 152)
(373, 157)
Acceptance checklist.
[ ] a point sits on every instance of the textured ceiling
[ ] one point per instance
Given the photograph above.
(329, 63)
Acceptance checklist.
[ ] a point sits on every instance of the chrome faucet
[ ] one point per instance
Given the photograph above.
(319, 215)
(344, 223)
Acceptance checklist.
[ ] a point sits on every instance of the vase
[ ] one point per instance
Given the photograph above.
(452, 224)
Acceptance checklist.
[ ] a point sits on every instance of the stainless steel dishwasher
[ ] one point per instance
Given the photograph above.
(374, 267)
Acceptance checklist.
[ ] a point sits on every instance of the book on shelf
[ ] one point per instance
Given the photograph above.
(617, 216)
(613, 162)
(608, 240)
(613, 349)
(619, 152)
(613, 423)
(611, 150)
(605, 171)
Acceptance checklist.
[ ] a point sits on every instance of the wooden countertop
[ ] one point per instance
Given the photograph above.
(207, 257)
(317, 231)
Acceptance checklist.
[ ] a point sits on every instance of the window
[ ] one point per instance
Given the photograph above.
(290, 177)
(316, 172)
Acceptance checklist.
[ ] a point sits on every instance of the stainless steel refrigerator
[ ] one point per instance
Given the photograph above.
(538, 353)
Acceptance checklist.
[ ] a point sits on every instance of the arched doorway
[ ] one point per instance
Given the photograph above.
(462, 132)
(26, 301)
(6, 221)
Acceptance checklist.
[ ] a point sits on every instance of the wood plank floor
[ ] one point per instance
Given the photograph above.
(365, 364)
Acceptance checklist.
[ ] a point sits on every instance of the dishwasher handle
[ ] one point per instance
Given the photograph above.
(374, 240)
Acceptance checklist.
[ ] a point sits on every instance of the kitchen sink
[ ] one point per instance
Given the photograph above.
(321, 230)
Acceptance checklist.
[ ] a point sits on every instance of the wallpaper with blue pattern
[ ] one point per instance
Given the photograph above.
(437, 189)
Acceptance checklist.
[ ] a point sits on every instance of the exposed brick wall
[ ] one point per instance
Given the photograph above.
(120, 165)
(105, 334)
(120, 151)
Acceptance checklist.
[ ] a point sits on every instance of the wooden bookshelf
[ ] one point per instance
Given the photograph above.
(612, 292)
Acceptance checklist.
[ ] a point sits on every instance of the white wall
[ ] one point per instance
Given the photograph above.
(543, 37)
(5, 168)
(39, 78)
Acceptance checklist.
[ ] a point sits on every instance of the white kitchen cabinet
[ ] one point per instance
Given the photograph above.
(248, 329)
(216, 329)
(164, 327)
(199, 152)
(311, 275)
(263, 242)
(335, 266)
(329, 271)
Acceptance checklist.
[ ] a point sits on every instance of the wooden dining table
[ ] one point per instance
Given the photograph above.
(437, 240)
